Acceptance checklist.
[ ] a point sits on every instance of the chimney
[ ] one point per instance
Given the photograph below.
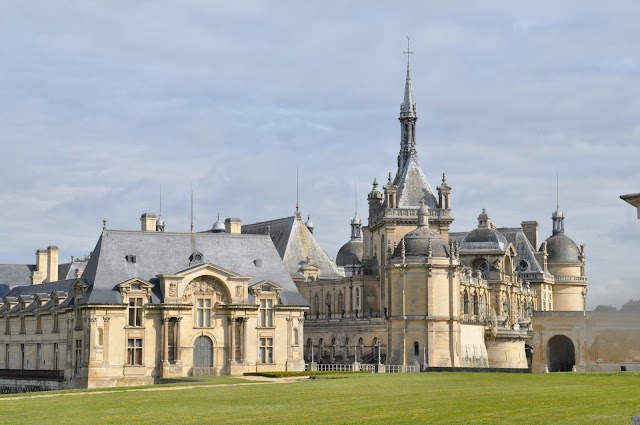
(232, 225)
(148, 222)
(40, 273)
(52, 266)
(530, 229)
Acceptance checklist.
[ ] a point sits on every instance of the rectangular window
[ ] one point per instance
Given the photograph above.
(23, 325)
(266, 350)
(7, 351)
(266, 313)
(38, 355)
(134, 351)
(56, 323)
(203, 312)
(55, 356)
(135, 311)
(78, 356)
(38, 324)
(21, 356)
(7, 327)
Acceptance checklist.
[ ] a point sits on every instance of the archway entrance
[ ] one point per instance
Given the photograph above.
(561, 354)
(203, 352)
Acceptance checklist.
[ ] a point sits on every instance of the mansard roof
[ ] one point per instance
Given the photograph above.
(14, 275)
(413, 187)
(112, 261)
(296, 245)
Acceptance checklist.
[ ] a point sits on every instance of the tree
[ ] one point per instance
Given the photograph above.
(631, 305)
(604, 307)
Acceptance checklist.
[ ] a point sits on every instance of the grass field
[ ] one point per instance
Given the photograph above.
(447, 398)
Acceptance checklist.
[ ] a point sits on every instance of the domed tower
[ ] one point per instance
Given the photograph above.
(350, 255)
(218, 226)
(567, 263)
(424, 298)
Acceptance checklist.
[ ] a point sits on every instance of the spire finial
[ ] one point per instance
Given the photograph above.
(104, 224)
(557, 192)
(191, 187)
(408, 52)
(297, 190)
(160, 214)
(355, 196)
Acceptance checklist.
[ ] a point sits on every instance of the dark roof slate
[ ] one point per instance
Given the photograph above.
(163, 252)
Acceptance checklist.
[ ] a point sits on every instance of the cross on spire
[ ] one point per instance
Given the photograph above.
(408, 52)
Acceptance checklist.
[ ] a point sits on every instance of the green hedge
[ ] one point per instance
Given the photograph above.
(301, 373)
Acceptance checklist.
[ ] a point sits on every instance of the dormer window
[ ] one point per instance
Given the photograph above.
(131, 259)
(196, 257)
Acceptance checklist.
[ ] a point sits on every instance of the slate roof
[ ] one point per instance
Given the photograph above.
(413, 186)
(295, 244)
(164, 252)
(14, 275)
(43, 288)
(523, 247)
(562, 250)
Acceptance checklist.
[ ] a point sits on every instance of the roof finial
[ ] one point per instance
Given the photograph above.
(355, 195)
(408, 52)
(297, 190)
(557, 192)
(191, 187)
(104, 224)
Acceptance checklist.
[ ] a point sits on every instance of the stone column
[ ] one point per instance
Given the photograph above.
(105, 342)
(93, 333)
(243, 352)
(232, 339)
(178, 345)
(165, 340)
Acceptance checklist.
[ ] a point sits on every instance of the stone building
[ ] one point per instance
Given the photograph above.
(152, 304)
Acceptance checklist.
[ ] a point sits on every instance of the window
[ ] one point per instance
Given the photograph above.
(135, 311)
(55, 356)
(266, 314)
(7, 351)
(7, 328)
(316, 304)
(38, 324)
(416, 348)
(78, 356)
(134, 351)
(357, 298)
(203, 312)
(340, 302)
(23, 325)
(56, 323)
(21, 356)
(38, 355)
(265, 352)
(295, 336)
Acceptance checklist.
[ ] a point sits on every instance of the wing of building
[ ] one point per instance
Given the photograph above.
(151, 305)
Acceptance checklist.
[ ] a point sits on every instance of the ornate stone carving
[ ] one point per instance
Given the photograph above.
(206, 285)
(173, 289)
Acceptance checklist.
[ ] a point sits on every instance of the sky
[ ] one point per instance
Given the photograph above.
(102, 103)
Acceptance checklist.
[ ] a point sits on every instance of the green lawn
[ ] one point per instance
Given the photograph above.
(561, 398)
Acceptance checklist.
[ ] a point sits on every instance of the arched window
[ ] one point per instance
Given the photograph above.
(416, 348)
(316, 304)
(476, 303)
(466, 302)
(327, 302)
(357, 298)
(333, 348)
(203, 352)
(346, 347)
(340, 302)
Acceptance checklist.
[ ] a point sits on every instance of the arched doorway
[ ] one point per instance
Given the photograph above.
(560, 354)
(203, 352)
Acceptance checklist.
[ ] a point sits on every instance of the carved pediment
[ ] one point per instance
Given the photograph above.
(207, 285)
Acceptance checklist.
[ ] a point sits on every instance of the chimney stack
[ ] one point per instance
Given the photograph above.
(530, 229)
(52, 267)
(232, 225)
(148, 222)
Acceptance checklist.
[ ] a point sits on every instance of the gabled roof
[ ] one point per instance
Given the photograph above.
(296, 245)
(165, 253)
(523, 247)
(413, 186)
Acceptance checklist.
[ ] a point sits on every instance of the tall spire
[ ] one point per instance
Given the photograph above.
(407, 119)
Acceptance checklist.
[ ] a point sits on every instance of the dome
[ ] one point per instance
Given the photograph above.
(562, 250)
(416, 244)
(423, 209)
(350, 253)
(218, 226)
(309, 224)
(356, 220)
(484, 238)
